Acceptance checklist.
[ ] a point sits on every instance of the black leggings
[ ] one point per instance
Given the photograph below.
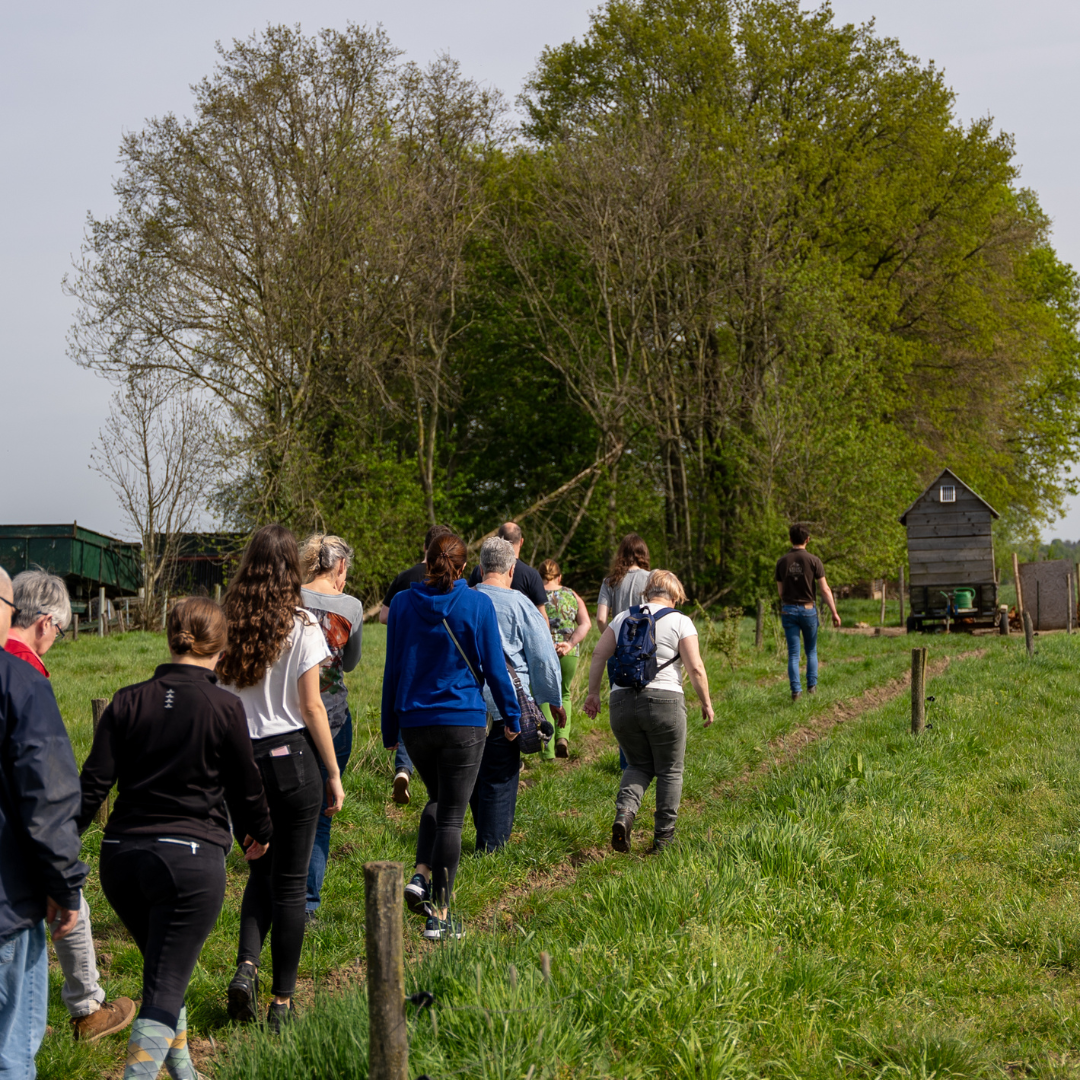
(168, 892)
(276, 891)
(447, 759)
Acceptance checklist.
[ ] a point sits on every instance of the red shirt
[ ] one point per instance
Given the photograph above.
(23, 652)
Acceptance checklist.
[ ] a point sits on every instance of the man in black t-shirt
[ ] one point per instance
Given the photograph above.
(526, 580)
(798, 574)
(413, 574)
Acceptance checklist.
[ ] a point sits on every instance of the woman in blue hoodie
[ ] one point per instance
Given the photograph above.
(442, 642)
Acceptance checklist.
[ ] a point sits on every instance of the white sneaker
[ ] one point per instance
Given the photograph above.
(401, 788)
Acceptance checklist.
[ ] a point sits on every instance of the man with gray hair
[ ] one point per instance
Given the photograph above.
(43, 612)
(40, 872)
(525, 579)
(528, 647)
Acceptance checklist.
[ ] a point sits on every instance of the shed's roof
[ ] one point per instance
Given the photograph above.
(949, 474)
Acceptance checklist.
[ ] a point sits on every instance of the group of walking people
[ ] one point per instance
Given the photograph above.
(244, 735)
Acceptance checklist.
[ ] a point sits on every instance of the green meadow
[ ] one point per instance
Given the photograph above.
(843, 899)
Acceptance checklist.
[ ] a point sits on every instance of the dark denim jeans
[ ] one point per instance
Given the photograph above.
(277, 883)
(402, 761)
(494, 799)
(320, 852)
(799, 620)
(447, 757)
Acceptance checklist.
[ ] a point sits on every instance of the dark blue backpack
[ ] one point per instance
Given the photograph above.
(634, 666)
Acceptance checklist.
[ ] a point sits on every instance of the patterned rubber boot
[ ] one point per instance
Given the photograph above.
(146, 1050)
(178, 1061)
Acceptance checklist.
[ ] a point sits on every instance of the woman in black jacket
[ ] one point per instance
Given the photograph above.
(177, 746)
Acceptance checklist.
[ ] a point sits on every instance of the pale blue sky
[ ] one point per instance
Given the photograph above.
(74, 76)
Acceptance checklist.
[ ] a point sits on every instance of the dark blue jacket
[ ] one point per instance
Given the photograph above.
(39, 800)
(425, 680)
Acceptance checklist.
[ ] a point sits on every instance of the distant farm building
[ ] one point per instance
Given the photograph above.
(87, 561)
(950, 555)
(205, 560)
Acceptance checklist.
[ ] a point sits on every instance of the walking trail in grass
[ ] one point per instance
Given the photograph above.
(843, 899)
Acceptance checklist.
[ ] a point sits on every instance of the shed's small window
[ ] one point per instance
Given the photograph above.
(948, 493)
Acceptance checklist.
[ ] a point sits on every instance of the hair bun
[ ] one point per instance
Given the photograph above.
(185, 639)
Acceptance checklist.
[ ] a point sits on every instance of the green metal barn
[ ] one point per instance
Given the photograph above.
(85, 559)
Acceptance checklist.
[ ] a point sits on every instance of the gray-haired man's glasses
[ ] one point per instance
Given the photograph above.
(14, 609)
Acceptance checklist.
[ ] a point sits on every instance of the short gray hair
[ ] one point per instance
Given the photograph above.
(496, 556)
(37, 593)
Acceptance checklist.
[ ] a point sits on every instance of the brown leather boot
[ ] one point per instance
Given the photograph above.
(621, 830)
(113, 1016)
(562, 748)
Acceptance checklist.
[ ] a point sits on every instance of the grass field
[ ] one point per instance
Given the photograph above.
(843, 900)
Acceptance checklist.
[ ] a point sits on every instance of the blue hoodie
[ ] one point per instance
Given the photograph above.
(425, 680)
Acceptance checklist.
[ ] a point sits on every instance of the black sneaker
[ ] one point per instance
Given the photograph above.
(277, 1016)
(621, 830)
(418, 895)
(244, 993)
(435, 929)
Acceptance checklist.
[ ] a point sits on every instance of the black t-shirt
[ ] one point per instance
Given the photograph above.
(404, 580)
(526, 581)
(798, 572)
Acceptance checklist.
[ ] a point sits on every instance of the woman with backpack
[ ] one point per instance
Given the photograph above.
(442, 646)
(650, 647)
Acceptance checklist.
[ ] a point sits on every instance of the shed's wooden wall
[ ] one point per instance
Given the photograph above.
(950, 543)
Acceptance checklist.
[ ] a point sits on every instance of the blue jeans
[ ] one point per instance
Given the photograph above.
(24, 1001)
(320, 852)
(802, 620)
(494, 798)
(402, 761)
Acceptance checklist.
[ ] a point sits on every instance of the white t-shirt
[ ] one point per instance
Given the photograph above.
(670, 630)
(273, 705)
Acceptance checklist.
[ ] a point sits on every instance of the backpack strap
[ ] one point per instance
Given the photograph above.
(657, 616)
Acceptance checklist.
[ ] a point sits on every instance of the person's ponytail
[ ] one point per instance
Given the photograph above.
(445, 561)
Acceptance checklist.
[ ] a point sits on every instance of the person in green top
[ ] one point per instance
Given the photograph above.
(570, 623)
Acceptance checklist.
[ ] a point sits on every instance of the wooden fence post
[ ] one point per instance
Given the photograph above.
(918, 690)
(1069, 603)
(217, 594)
(103, 613)
(759, 626)
(75, 627)
(388, 1040)
(1003, 619)
(901, 591)
(1029, 633)
(98, 706)
(1016, 582)
(884, 589)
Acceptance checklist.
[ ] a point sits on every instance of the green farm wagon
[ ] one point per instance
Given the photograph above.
(88, 561)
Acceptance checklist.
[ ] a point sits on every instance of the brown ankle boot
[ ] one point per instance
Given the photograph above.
(621, 829)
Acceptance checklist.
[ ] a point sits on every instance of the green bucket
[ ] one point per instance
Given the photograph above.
(965, 598)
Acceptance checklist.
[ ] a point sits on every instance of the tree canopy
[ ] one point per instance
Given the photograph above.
(740, 266)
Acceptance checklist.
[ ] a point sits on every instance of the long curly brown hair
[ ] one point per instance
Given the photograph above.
(633, 551)
(260, 605)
